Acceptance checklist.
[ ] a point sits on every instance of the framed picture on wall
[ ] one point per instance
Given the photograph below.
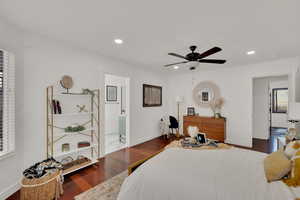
(152, 95)
(190, 111)
(111, 93)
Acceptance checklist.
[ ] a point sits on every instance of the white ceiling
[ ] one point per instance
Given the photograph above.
(150, 29)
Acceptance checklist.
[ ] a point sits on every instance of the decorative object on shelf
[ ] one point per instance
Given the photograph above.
(81, 108)
(55, 106)
(66, 82)
(58, 107)
(111, 93)
(205, 92)
(190, 111)
(83, 144)
(74, 128)
(65, 147)
(152, 95)
(294, 116)
(88, 91)
(216, 106)
(69, 162)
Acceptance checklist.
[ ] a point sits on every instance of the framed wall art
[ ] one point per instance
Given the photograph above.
(190, 111)
(111, 93)
(152, 95)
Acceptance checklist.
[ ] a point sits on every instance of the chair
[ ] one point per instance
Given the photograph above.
(173, 124)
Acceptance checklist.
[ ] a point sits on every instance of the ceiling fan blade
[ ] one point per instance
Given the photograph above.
(176, 63)
(177, 55)
(213, 61)
(210, 52)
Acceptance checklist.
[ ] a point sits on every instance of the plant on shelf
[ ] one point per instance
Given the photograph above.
(74, 128)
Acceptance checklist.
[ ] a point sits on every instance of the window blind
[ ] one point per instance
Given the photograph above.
(1, 101)
(7, 102)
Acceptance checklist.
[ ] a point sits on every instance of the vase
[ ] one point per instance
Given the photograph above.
(217, 115)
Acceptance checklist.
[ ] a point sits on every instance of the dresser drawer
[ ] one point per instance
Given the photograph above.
(212, 127)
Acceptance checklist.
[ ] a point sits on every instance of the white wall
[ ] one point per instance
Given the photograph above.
(297, 90)
(279, 119)
(236, 87)
(261, 108)
(42, 62)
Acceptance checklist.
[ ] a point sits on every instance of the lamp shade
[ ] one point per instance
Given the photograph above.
(179, 99)
(294, 111)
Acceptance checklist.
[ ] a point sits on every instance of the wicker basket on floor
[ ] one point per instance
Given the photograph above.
(48, 187)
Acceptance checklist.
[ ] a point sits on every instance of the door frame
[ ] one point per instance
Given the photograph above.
(127, 85)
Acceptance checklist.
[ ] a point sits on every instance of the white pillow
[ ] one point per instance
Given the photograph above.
(291, 148)
(193, 131)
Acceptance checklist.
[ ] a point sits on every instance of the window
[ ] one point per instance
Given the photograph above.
(280, 100)
(7, 103)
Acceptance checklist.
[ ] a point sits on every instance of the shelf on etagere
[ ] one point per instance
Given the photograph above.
(71, 114)
(71, 94)
(74, 133)
(60, 154)
(73, 169)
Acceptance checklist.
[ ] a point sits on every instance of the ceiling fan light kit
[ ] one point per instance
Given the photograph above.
(196, 58)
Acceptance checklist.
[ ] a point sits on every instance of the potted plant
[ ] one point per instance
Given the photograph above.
(216, 106)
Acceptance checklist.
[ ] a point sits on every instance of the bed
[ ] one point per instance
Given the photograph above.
(179, 174)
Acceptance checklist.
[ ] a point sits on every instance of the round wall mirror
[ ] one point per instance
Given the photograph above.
(205, 92)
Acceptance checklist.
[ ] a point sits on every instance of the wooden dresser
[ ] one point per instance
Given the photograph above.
(214, 128)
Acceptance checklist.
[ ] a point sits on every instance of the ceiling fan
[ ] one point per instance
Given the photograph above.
(197, 57)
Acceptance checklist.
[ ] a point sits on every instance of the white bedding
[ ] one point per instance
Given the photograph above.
(181, 174)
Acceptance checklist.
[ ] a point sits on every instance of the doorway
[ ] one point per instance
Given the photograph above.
(270, 101)
(116, 113)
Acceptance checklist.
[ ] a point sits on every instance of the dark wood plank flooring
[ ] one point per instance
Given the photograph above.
(116, 162)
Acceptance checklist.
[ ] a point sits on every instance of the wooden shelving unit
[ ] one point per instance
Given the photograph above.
(56, 135)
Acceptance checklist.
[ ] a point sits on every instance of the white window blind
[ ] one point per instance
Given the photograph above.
(7, 103)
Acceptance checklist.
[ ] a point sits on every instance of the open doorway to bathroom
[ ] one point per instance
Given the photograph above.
(116, 113)
(270, 104)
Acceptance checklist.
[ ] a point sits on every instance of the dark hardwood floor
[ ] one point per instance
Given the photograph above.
(116, 162)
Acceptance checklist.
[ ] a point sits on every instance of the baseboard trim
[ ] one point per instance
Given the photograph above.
(260, 139)
(7, 192)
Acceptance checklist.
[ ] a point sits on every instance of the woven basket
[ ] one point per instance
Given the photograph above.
(48, 187)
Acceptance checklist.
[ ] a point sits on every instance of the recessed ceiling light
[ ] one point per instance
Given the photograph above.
(176, 67)
(118, 41)
(250, 52)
